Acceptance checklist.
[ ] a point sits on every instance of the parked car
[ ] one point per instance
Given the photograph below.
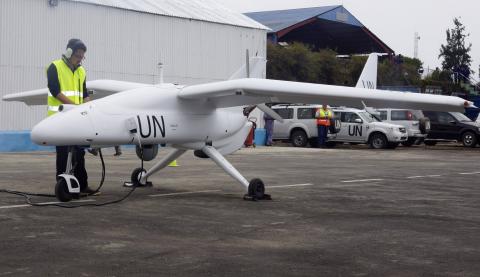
(360, 126)
(452, 126)
(416, 124)
(299, 126)
(352, 125)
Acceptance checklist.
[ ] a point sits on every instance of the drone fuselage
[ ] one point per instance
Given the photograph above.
(150, 115)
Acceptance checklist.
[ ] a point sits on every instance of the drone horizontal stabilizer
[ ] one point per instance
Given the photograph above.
(100, 88)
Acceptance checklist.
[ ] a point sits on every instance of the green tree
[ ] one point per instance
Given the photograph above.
(399, 71)
(291, 63)
(455, 52)
(326, 67)
(297, 62)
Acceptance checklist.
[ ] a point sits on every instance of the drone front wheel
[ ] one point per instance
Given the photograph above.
(61, 190)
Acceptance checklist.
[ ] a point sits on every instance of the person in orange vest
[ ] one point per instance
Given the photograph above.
(323, 116)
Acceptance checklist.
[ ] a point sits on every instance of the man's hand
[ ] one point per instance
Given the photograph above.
(64, 99)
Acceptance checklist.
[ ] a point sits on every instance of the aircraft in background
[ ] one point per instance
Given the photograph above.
(205, 118)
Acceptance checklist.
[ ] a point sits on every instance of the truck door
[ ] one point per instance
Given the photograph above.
(306, 116)
(352, 127)
(281, 130)
(448, 127)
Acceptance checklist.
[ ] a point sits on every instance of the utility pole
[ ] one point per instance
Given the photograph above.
(416, 38)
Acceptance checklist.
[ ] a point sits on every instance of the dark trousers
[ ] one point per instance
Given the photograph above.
(78, 159)
(322, 135)
(269, 131)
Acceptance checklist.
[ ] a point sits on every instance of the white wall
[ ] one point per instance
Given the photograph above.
(122, 45)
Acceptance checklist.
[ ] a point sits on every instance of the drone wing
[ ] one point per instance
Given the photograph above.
(100, 88)
(250, 91)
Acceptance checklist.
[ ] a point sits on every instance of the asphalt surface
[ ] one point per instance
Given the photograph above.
(349, 211)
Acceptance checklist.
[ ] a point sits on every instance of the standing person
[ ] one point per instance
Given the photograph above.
(323, 116)
(67, 85)
(269, 122)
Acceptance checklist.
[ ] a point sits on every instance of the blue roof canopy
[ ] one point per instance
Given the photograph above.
(279, 20)
(322, 27)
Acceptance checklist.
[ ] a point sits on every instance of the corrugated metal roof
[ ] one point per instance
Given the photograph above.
(205, 10)
(281, 19)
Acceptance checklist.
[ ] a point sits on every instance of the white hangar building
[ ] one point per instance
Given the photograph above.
(197, 41)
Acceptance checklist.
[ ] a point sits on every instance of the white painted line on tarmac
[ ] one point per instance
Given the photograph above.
(423, 176)
(217, 190)
(469, 173)
(288, 186)
(42, 203)
(182, 193)
(361, 180)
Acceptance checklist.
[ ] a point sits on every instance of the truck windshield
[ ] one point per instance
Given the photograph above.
(461, 117)
(368, 117)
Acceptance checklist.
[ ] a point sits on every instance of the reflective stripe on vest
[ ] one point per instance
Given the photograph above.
(324, 117)
(71, 85)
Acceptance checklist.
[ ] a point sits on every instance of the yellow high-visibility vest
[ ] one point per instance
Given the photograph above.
(323, 117)
(71, 85)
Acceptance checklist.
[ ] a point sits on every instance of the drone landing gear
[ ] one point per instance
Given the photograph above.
(136, 178)
(140, 175)
(67, 187)
(255, 188)
(256, 191)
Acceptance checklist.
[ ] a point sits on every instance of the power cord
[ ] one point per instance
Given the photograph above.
(28, 195)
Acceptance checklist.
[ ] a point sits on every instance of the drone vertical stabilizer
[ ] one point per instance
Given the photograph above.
(368, 78)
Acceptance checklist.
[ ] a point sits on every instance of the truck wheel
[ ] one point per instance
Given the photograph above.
(409, 142)
(299, 138)
(469, 139)
(378, 141)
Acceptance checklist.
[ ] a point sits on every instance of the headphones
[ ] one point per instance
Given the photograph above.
(68, 53)
(73, 45)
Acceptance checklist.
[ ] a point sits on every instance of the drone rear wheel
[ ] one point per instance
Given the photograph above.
(256, 191)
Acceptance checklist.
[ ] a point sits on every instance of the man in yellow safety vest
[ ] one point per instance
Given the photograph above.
(67, 85)
(323, 116)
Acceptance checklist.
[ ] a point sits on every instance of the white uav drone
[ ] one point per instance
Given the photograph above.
(206, 118)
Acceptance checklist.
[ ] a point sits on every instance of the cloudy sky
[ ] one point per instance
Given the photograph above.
(396, 21)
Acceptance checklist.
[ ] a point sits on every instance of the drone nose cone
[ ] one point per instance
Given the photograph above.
(39, 133)
(66, 128)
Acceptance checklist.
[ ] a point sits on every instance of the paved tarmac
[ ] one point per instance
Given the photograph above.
(350, 211)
